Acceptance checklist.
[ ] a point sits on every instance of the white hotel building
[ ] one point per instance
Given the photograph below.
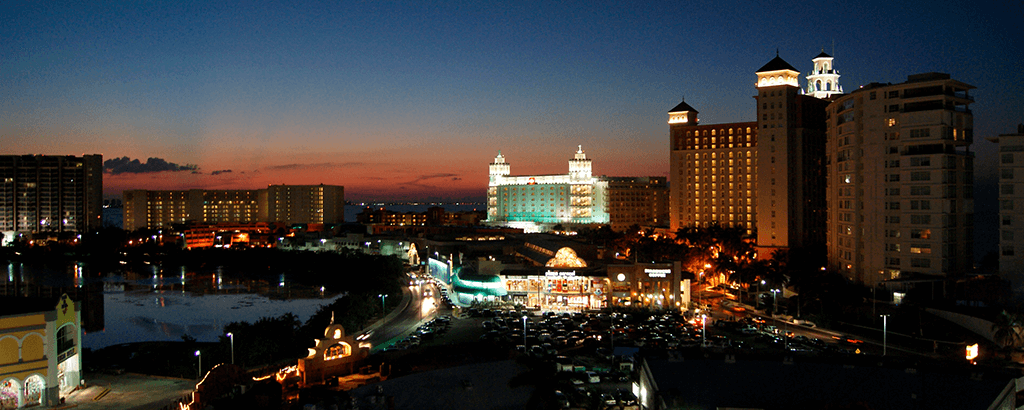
(537, 201)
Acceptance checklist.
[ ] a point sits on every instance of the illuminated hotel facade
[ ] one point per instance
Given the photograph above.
(277, 203)
(764, 176)
(538, 202)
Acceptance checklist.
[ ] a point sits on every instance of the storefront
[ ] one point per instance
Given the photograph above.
(652, 285)
(565, 290)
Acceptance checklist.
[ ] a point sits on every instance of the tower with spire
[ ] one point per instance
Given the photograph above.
(823, 82)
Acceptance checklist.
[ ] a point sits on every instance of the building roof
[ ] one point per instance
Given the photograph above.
(683, 106)
(823, 55)
(710, 384)
(776, 64)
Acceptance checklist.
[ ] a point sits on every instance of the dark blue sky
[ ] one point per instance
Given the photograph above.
(413, 99)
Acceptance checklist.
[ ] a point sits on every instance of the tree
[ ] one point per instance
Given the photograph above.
(1008, 330)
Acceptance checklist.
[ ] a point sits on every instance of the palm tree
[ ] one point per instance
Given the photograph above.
(1008, 330)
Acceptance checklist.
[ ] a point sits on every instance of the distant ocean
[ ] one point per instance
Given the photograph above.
(113, 216)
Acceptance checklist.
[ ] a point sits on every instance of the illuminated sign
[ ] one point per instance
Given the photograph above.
(657, 273)
(560, 273)
(972, 352)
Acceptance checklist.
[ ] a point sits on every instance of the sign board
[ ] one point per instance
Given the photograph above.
(560, 274)
(657, 273)
(972, 352)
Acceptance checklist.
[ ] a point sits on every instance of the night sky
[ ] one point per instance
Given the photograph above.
(412, 100)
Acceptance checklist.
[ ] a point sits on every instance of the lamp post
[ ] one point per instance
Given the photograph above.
(524, 331)
(703, 329)
(200, 356)
(383, 311)
(232, 337)
(775, 300)
(885, 332)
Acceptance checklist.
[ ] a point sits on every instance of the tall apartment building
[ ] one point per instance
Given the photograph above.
(276, 203)
(305, 204)
(791, 160)
(1011, 207)
(713, 167)
(50, 193)
(766, 176)
(155, 209)
(900, 192)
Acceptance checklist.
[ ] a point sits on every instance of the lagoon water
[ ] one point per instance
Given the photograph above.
(164, 304)
(141, 315)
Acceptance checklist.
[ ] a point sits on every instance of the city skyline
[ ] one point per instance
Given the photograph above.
(412, 101)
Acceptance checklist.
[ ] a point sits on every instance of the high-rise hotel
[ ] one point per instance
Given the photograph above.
(538, 202)
(276, 203)
(900, 172)
(50, 193)
(765, 176)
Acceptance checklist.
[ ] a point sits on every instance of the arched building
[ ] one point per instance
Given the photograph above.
(40, 359)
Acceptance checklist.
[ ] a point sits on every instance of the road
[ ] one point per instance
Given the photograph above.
(420, 309)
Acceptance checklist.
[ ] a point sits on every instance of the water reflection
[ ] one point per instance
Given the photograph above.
(146, 304)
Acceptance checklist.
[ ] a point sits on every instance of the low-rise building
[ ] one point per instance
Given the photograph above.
(40, 350)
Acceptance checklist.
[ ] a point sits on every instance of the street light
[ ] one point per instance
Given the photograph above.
(524, 331)
(383, 311)
(885, 331)
(232, 337)
(200, 356)
(703, 329)
(775, 300)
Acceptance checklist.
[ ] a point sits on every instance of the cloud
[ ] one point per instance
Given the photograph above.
(220, 172)
(125, 165)
(320, 165)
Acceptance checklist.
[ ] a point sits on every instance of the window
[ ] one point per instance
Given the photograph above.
(872, 96)
(920, 219)
(893, 108)
(1006, 205)
(892, 178)
(921, 190)
(1007, 251)
(1007, 235)
(892, 247)
(920, 176)
(892, 233)
(920, 161)
(1007, 220)
(1006, 189)
(920, 233)
(1007, 158)
(920, 204)
(1006, 173)
(920, 263)
(921, 248)
(892, 219)
(893, 94)
(892, 205)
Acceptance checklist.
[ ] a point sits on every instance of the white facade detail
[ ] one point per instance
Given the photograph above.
(823, 82)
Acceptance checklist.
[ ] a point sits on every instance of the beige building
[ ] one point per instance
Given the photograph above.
(639, 201)
(713, 167)
(1011, 207)
(50, 193)
(900, 179)
(766, 176)
(276, 203)
(790, 167)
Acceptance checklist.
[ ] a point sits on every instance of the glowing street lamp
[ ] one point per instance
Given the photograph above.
(232, 337)
(200, 356)
(524, 331)
(885, 331)
(383, 311)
